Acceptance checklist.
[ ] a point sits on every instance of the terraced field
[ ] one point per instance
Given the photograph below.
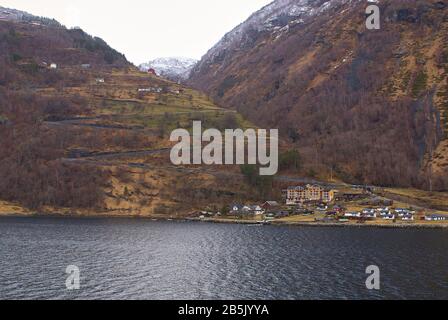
(134, 127)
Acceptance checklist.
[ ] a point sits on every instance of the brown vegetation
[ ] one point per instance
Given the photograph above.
(30, 168)
(357, 102)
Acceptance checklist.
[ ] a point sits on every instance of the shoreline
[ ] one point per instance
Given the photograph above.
(234, 221)
(327, 224)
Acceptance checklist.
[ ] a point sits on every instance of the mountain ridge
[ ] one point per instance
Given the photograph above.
(84, 132)
(7, 14)
(176, 69)
(272, 17)
(343, 94)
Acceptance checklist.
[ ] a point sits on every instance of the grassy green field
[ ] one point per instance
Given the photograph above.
(437, 200)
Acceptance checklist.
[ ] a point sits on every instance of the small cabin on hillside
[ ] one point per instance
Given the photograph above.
(152, 71)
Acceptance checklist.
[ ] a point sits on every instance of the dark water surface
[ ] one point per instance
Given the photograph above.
(142, 259)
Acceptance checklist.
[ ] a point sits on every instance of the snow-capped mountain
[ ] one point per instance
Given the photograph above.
(313, 69)
(276, 17)
(173, 68)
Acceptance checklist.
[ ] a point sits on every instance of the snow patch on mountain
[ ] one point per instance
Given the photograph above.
(173, 68)
(275, 18)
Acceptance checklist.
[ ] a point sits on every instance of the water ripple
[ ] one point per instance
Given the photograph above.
(139, 259)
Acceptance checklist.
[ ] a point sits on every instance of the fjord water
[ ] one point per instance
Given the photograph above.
(143, 259)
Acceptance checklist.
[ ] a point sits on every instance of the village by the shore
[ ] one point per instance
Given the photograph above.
(314, 204)
(301, 205)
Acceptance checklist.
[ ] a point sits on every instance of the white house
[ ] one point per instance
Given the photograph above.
(352, 215)
(368, 211)
(370, 215)
(384, 213)
(53, 66)
(436, 217)
(408, 217)
(257, 210)
(236, 208)
(403, 212)
(155, 90)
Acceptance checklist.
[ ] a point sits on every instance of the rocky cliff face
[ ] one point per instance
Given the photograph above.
(370, 105)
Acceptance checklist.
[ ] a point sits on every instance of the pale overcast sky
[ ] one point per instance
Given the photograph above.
(147, 29)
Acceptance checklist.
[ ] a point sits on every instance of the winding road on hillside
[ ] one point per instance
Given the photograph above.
(107, 159)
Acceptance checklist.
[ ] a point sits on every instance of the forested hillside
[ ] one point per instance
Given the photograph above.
(82, 131)
(30, 170)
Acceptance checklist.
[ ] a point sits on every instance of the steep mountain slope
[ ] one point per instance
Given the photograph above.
(273, 19)
(174, 69)
(38, 42)
(368, 105)
(14, 15)
(89, 135)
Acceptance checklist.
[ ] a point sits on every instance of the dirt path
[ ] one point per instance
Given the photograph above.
(117, 155)
(98, 126)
